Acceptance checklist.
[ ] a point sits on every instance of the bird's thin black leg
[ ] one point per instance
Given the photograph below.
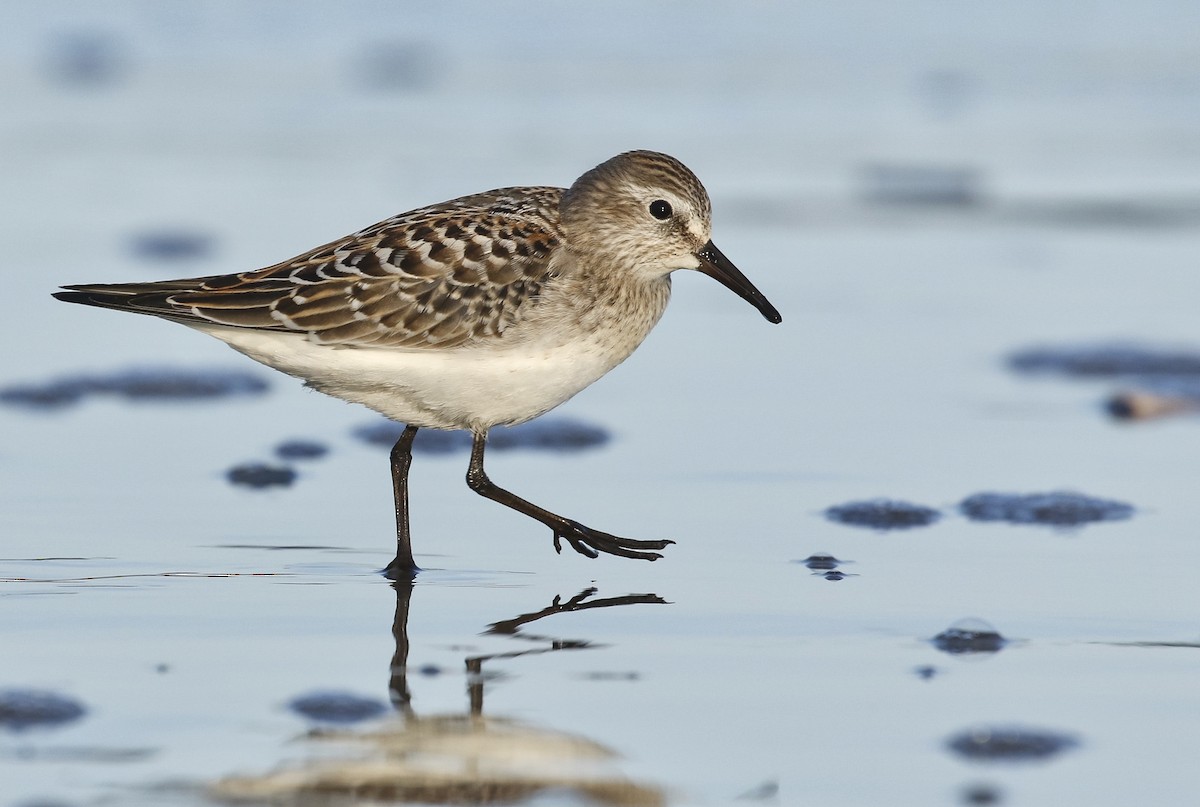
(403, 567)
(583, 540)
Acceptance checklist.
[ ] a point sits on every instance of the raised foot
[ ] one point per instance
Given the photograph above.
(587, 541)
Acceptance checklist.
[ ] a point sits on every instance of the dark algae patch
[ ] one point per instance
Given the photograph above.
(83, 59)
(968, 636)
(171, 245)
(834, 575)
(1006, 744)
(981, 793)
(336, 707)
(543, 434)
(821, 562)
(301, 450)
(22, 709)
(259, 475)
(135, 384)
(826, 566)
(1106, 361)
(882, 514)
(1058, 509)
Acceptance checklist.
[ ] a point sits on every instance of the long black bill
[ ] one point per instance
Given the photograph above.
(716, 265)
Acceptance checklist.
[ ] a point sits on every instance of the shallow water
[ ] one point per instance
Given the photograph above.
(185, 614)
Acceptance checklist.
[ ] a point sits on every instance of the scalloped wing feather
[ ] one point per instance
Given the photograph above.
(440, 276)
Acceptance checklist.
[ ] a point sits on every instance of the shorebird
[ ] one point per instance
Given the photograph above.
(485, 310)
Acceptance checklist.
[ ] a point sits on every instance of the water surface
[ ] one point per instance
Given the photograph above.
(1039, 189)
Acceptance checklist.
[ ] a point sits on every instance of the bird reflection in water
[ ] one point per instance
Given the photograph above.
(458, 758)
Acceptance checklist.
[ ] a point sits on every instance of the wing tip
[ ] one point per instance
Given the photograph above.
(103, 298)
(70, 294)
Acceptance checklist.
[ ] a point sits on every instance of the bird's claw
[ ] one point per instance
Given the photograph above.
(591, 543)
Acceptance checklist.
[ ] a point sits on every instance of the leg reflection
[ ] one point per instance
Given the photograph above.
(398, 690)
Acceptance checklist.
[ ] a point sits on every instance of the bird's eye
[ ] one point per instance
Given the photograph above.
(660, 209)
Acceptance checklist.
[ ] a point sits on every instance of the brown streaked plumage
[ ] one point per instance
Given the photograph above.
(438, 276)
(484, 310)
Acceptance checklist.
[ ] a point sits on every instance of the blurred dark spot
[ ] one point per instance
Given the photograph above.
(920, 185)
(260, 475)
(611, 676)
(22, 709)
(84, 59)
(882, 514)
(162, 669)
(555, 434)
(336, 707)
(946, 92)
(986, 744)
(820, 562)
(173, 384)
(137, 384)
(51, 395)
(545, 434)
(429, 670)
(1140, 214)
(926, 672)
(301, 450)
(396, 65)
(385, 433)
(1106, 361)
(981, 793)
(762, 792)
(1062, 509)
(969, 636)
(834, 575)
(169, 245)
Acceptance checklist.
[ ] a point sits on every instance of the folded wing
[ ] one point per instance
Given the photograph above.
(439, 276)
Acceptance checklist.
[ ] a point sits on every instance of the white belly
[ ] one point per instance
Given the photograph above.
(462, 388)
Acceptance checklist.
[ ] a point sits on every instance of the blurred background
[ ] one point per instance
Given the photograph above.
(923, 189)
(144, 139)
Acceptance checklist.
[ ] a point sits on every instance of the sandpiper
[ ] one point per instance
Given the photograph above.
(485, 310)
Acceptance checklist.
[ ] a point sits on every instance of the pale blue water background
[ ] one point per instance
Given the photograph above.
(252, 123)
